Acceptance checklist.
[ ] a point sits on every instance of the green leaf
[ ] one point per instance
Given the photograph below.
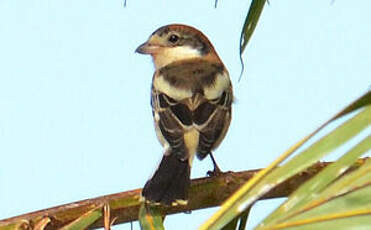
(268, 178)
(312, 193)
(241, 219)
(350, 182)
(363, 223)
(232, 225)
(348, 206)
(251, 21)
(85, 220)
(359, 103)
(150, 218)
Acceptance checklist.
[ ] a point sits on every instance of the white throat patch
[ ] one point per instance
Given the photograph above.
(173, 54)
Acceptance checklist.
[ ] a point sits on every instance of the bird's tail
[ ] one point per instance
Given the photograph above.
(170, 183)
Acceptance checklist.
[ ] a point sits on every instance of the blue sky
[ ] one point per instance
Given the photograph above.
(75, 118)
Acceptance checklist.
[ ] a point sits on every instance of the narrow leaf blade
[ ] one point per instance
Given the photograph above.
(150, 218)
(85, 220)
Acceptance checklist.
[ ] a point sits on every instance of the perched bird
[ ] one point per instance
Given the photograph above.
(191, 104)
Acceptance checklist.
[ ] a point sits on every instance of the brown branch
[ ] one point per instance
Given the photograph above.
(205, 192)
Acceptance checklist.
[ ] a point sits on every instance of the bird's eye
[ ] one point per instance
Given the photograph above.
(173, 38)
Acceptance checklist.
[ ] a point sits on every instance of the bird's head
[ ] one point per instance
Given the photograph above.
(177, 42)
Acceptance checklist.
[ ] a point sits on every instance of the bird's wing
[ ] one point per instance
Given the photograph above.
(212, 119)
(171, 119)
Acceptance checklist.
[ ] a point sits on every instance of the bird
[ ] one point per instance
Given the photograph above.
(191, 98)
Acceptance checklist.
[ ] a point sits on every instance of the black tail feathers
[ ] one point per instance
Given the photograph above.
(170, 183)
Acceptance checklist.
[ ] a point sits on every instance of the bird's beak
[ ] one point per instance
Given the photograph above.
(146, 48)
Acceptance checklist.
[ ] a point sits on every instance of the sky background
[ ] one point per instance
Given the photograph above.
(75, 117)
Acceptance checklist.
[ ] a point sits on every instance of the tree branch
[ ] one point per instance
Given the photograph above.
(204, 193)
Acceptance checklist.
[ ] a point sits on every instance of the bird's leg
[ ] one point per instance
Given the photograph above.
(216, 170)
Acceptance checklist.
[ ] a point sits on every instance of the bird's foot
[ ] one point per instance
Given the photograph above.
(215, 172)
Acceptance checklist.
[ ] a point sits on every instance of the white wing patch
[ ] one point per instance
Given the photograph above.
(165, 87)
(220, 85)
